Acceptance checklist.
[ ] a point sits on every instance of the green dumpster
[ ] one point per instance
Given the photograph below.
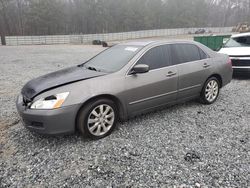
(213, 42)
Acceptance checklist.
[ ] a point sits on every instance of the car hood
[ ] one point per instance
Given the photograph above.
(237, 51)
(56, 79)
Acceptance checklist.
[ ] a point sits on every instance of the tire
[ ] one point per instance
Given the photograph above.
(97, 119)
(210, 91)
(104, 44)
(96, 42)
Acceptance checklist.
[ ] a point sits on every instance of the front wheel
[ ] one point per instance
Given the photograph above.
(210, 91)
(97, 119)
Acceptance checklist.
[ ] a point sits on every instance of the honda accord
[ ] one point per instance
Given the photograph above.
(123, 81)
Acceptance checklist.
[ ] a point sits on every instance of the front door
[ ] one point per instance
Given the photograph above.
(154, 88)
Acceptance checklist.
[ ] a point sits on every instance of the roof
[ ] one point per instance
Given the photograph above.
(138, 43)
(241, 35)
(146, 43)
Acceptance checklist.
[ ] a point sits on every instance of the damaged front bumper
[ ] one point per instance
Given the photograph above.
(49, 122)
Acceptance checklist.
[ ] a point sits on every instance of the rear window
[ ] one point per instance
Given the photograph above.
(182, 53)
(203, 55)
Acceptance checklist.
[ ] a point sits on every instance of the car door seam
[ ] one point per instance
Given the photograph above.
(154, 97)
(162, 95)
(191, 87)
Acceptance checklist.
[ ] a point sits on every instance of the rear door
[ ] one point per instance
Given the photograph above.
(193, 67)
(156, 87)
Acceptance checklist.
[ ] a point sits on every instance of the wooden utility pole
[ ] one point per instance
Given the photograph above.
(2, 33)
(2, 29)
(3, 41)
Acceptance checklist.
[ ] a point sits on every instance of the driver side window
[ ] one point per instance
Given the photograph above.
(156, 57)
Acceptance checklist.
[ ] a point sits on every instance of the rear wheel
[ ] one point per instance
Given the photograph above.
(210, 91)
(97, 119)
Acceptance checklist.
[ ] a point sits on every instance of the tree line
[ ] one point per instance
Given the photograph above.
(49, 17)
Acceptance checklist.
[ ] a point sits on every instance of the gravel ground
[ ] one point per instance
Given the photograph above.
(187, 145)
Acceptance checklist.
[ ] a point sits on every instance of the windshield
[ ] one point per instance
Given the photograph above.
(238, 42)
(112, 59)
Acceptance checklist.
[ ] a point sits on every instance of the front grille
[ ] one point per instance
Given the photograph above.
(33, 124)
(240, 62)
(37, 124)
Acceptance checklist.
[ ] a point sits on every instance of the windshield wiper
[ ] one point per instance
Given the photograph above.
(92, 68)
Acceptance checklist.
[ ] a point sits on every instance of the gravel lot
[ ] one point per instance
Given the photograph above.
(188, 145)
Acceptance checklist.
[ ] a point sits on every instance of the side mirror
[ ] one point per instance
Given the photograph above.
(139, 69)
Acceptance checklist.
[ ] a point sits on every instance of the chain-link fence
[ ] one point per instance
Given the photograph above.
(88, 38)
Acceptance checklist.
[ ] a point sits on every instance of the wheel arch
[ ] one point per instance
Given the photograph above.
(116, 100)
(218, 76)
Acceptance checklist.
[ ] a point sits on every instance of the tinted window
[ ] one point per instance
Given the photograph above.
(156, 57)
(182, 53)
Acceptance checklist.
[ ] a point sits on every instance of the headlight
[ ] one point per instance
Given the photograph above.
(51, 102)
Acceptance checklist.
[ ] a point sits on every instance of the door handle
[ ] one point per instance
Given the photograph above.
(170, 74)
(206, 65)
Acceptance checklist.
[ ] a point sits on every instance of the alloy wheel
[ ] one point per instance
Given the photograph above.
(212, 90)
(101, 120)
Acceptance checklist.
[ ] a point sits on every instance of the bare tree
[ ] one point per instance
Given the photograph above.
(43, 17)
(5, 27)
